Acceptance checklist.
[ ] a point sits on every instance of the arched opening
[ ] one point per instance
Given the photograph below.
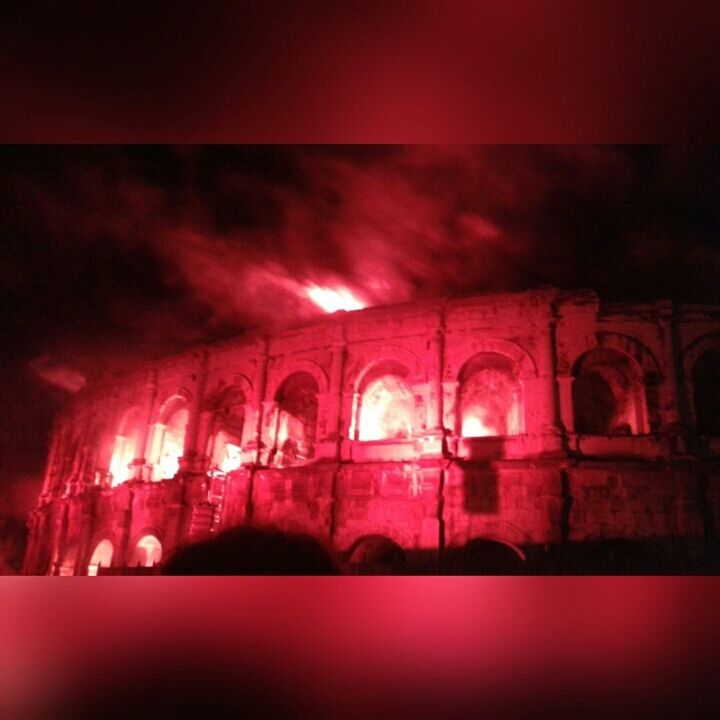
(387, 407)
(147, 552)
(482, 556)
(608, 395)
(706, 392)
(376, 555)
(101, 557)
(69, 559)
(225, 442)
(295, 419)
(172, 443)
(490, 397)
(126, 447)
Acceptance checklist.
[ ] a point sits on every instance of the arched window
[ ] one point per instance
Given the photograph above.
(490, 397)
(706, 392)
(101, 557)
(608, 394)
(173, 442)
(295, 419)
(126, 446)
(224, 445)
(376, 555)
(387, 406)
(147, 552)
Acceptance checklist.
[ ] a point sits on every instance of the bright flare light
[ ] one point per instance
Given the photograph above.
(473, 426)
(331, 300)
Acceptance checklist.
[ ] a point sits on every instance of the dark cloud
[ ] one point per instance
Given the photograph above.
(111, 255)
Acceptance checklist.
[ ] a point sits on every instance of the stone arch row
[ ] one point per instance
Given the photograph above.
(641, 370)
(144, 552)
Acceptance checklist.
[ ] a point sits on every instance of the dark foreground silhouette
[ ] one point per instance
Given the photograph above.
(248, 550)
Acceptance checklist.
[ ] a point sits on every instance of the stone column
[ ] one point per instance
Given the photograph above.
(565, 383)
(354, 410)
(190, 457)
(50, 467)
(204, 432)
(434, 432)
(335, 392)
(254, 446)
(435, 394)
(145, 437)
(549, 407)
(676, 407)
(268, 432)
(450, 421)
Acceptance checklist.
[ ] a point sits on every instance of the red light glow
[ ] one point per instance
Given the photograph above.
(333, 299)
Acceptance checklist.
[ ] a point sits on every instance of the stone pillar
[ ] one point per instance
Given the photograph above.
(254, 446)
(676, 409)
(435, 426)
(549, 411)
(189, 459)
(50, 467)
(435, 394)
(204, 432)
(151, 388)
(354, 411)
(268, 432)
(565, 383)
(335, 392)
(449, 405)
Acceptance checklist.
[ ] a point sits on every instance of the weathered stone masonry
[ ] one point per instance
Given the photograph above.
(531, 422)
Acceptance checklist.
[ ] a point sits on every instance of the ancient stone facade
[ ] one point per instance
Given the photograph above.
(480, 433)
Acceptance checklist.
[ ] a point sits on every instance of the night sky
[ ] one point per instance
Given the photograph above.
(112, 255)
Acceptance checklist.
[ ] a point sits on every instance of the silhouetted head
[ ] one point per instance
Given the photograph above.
(248, 550)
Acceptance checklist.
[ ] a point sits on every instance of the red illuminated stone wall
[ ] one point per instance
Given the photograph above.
(267, 429)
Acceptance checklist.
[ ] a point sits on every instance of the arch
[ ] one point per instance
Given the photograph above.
(224, 440)
(217, 397)
(706, 392)
(288, 367)
(489, 397)
(696, 348)
(375, 555)
(126, 445)
(147, 551)
(295, 419)
(608, 394)
(487, 556)
(521, 358)
(67, 565)
(386, 405)
(387, 353)
(173, 418)
(172, 404)
(701, 363)
(101, 557)
(633, 348)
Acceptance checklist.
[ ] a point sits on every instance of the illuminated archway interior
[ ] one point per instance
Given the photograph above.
(490, 397)
(226, 439)
(126, 447)
(295, 419)
(173, 441)
(148, 552)
(608, 394)
(706, 392)
(387, 405)
(67, 567)
(101, 557)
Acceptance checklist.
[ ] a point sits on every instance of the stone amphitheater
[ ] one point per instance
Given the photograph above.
(534, 432)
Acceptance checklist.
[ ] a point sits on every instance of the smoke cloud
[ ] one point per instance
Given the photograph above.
(113, 255)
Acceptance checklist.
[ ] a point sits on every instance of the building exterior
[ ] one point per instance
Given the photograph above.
(538, 431)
